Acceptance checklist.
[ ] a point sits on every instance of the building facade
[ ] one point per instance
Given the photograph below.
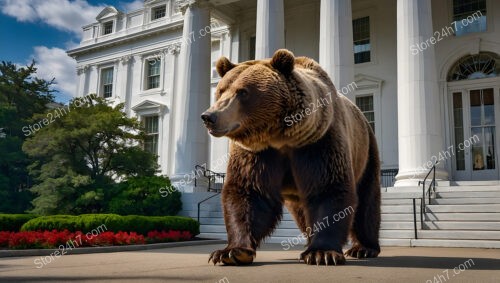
(425, 73)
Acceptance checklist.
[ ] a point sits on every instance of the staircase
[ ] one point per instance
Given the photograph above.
(458, 216)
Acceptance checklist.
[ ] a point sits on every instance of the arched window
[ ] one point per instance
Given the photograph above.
(477, 66)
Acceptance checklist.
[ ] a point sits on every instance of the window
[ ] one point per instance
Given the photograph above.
(150, 124)
(107, 28)
(158, 12)
(469, 16)
(361, 36)
(153, 74)
(477, 66)
(107, 82)
(365, 104)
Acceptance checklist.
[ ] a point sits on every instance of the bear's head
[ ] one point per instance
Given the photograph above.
(253, 99)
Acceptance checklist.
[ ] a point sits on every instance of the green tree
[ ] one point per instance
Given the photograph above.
(87, 147)
(22, 95)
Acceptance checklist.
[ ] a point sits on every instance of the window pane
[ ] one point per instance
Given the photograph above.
(469, 16)
(108, 28)
(489, 107)
(459, 130)
(475, 107)
(365, 104)
(153, 74)
(151, 128)
(159, 12)
(107, 82)
(361, 36)
(489, 137)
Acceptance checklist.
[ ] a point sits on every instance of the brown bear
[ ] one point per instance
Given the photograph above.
(294, 141)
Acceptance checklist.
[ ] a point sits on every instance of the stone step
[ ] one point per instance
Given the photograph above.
(459, 234)
(466, 217)
(488, 244)
(462, 225)
(468, 189)
(479, 194)
(399, 217)
(444, 201)
(392, 209)
(457, 208)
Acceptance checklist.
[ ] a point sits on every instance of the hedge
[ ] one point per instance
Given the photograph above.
(13, 222)
(113, 222)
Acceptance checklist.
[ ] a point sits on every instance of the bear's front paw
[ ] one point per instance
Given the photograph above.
(232, 256)
(322, 257)
(358, 251)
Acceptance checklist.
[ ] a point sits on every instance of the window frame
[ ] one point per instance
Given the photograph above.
(102, 84)
(112, 22)
(153, 12)
(368, 85)
(369, 38)
(452, 20)
(148, 76)
(155, 135)
(372, 13)
(368, 95)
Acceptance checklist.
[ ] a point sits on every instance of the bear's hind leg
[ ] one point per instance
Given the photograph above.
(365, 228)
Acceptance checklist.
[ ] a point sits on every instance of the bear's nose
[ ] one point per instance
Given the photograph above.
(209, 117)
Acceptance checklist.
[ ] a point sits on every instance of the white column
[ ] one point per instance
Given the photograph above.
(419, 121)
(193, 96)
(124, 91)
(81, 72)
(270, 29)
(335, 42)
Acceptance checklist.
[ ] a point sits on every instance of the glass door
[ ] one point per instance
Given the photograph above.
(475, 137)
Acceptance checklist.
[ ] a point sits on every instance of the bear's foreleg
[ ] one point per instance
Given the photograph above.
(252, 204)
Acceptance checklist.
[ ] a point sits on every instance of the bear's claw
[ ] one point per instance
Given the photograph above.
(322, 258)
(234, 256)
(361, 252)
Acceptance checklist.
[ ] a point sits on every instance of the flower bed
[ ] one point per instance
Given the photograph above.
(54, 238)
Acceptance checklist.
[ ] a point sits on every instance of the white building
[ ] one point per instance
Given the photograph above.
(427, 73)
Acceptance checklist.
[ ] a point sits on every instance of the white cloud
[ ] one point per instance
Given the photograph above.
(63, 15)
(132, 6)
(55, 63)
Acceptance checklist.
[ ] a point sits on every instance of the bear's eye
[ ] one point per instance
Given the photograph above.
(242, 93)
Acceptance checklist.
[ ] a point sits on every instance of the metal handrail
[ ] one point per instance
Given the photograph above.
(432, 184)
(211, 175)
(199, 204)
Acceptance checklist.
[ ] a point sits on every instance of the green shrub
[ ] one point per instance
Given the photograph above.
(13, 222)
(152, 195)
(113, 222)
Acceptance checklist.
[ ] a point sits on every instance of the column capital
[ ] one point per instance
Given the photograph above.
(125, 59)
(184, 4)
(82, 69)
(174, 48)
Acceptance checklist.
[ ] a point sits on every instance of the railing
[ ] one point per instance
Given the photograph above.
(212, 177)
(216, 178)
(415, 229)
(388, 177)
(432, 184)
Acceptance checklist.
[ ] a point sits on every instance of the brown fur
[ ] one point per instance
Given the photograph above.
(316, 167)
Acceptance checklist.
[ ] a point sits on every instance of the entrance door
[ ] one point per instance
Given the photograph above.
(475, 116)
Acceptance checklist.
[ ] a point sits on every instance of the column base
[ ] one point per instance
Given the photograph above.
(412, 178)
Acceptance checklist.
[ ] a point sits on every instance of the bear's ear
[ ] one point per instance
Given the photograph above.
(283, 61)
(223, 66)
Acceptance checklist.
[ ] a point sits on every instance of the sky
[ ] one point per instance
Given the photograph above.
(44, 30)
